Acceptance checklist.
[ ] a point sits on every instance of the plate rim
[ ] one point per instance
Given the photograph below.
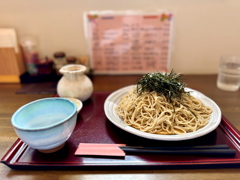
(201, 132)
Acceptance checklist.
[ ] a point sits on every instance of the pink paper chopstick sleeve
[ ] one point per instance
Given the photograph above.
(98, 149)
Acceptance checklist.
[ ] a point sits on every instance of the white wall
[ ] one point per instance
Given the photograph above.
(203, 29)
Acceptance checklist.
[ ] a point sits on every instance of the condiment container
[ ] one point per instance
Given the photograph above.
(71, 60)
(30, 53)
(59, 61)
(45, 66)
(74, 83)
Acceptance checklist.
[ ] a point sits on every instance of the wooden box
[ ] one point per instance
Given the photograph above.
(12, 65)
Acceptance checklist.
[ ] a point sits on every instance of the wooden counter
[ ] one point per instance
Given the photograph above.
(229, 102)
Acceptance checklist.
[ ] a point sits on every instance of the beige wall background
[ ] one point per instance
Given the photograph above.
(204, 30)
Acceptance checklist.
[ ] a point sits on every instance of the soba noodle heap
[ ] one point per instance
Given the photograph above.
(160, 105)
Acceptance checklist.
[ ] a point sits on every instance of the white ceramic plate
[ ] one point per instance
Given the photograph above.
(113, 99)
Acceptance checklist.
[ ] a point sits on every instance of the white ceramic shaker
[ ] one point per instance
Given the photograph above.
(74, 83)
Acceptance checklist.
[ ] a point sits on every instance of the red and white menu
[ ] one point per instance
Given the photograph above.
(129, 43)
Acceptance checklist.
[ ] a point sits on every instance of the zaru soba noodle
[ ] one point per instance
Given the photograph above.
(160, 105)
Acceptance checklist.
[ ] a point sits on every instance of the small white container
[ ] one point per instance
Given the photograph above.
(74, 83)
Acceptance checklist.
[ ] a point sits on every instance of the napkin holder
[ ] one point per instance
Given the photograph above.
(12, 64)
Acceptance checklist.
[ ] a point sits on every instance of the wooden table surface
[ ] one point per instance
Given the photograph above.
(229, 102)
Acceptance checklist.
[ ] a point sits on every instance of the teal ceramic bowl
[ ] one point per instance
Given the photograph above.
(45, 124)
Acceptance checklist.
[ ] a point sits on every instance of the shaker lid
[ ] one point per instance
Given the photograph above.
(71, 59)
(59, 54)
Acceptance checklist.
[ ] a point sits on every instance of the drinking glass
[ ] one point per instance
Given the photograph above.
(229, 73)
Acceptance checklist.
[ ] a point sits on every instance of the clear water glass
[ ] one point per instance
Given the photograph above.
(229, 73)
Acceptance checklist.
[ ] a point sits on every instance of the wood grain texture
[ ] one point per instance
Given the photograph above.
(229, 102)
(11, 65)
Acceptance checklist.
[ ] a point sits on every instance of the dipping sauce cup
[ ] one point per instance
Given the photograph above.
(45, 124)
